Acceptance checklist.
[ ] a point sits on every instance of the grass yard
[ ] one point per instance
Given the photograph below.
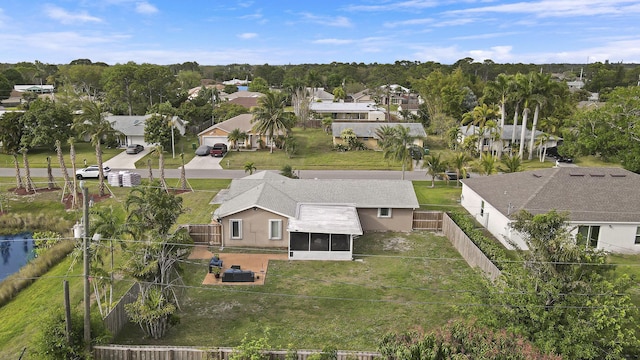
(315, 151)
(399, 282)
(443, 197)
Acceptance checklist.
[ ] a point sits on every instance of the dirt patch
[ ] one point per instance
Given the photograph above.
(23, 191)
(93, 198)
(396, 244)
(258, 263)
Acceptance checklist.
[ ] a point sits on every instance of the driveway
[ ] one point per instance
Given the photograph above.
(204, 163)
(126, 161)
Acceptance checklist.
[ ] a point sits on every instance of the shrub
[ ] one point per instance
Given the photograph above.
(493, 251)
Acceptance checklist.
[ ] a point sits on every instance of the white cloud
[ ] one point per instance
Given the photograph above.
(66, 17)
(408, 22)
(333, 41)
(337, 21)
(145, 8)
(247, 35)
(559, 8)
(394, 6)
(484, 36)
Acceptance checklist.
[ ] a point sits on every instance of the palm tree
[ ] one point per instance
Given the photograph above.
(183, 174)
(459, 163)
(541, 143)
(479, 117)
(488, 164)
(92, 123)
(543, 89)
(27, 172)
(249, 167)
(327, 121)
(526, 93)
(63, 167)
(397, 146)
(150, 171)
(500, 89)
(385, 135)
(435, 166)
(19, 184)
(235, 136)
(160, 152)
(512, 164)
(50, 180)
(270, 118)
(72, 156)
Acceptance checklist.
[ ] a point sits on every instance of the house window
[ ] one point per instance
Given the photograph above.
(299, 241)
(236, 229)
(339, 242)
(384, 212)
(319, 242)
(482, 208)
(588, 235)
(275, 229)
(638, 235)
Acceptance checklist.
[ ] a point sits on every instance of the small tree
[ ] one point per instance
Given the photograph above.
(435, 166)
(249, 167)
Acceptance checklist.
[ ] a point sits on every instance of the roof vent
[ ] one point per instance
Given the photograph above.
(618, 175)
(596, 175)
(577, 175)
(536, 175)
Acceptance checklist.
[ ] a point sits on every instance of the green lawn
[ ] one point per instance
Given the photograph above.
(399, 282)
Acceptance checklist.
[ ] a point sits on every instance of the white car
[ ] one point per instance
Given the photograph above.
(91, 172)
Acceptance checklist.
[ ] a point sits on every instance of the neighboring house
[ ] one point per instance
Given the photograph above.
(360, 97)
(603, 204)
(319, 95)
(246, 102)
(344, 111)
(219, 132)
(366, 132)
(315, 219)
(507, 134)
(241, 94)
(131, 128)
(38, 89)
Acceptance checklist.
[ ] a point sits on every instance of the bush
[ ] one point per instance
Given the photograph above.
(496, 253)
(51, 342)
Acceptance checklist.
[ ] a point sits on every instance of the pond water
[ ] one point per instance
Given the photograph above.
(15, 252)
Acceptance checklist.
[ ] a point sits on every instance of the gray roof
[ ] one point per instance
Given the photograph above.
(342, 107)
(282, 195)
(134, 125)
(588, 194)
(362, 129)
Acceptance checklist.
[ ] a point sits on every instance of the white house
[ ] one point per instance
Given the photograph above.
(603, 204)
(343, 111)
(131, 128)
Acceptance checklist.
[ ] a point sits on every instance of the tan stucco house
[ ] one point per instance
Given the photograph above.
(315, 219)
(219, 132)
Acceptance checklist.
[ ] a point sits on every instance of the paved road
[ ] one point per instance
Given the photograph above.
(234, 174)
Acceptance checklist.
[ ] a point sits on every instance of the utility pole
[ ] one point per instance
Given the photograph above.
(85, 247)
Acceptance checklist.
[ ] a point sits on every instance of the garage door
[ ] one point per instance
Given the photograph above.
(211, 140)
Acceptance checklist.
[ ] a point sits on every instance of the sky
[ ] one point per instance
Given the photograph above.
(281, 32)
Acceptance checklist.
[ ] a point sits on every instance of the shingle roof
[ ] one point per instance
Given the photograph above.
(587, 194)
(362, 129)
(279, 193)
(342, 107)
(242, 122)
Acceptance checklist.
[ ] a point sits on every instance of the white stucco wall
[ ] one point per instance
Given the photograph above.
(495, 222)
(614, 237)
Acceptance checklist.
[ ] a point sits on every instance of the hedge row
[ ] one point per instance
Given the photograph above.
(496, 253)
(37, 267)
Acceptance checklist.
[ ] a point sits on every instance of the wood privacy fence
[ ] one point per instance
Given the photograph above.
(210, 234)
(117, 318)
(469, 251)
(427, 220)
(123, 352)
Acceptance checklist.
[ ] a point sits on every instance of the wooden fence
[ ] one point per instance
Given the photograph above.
(117, 318)
(469, 251)
(210, 234)
(427, 220)
(124, 352)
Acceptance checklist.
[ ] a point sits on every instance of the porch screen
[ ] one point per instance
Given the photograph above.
(299, 241)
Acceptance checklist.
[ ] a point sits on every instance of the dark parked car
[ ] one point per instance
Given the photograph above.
(416, 152)
(453, 176)
(218, 150)
(203, 150)
(552, 152)
(134, 148)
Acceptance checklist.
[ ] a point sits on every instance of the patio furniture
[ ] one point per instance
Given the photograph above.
(237, 275)
(215, 262)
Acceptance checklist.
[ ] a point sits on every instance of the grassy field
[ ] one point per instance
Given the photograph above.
(398, 282)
